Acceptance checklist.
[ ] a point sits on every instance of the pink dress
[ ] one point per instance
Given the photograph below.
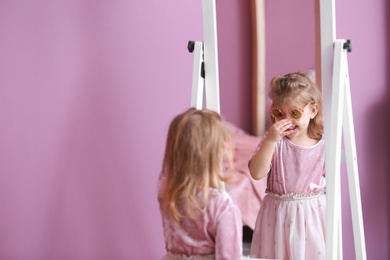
(215, 233)
(291, 223)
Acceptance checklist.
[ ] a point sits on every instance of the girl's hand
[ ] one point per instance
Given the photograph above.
(261, 161)
(279, 129)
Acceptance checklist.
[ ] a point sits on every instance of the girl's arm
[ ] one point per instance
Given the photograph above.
(260, 163)
(228, 240)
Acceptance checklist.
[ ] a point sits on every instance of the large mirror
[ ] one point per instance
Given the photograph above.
(285, 35)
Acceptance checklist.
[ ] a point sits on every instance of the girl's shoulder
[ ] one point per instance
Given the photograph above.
(219, 198)
(220, 203)
(218, 194)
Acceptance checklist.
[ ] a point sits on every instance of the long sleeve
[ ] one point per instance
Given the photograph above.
(228, 244)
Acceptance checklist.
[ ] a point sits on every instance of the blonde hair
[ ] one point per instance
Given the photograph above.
(299, 87)
(197, 142)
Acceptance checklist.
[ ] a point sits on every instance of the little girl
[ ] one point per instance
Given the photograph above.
(199, 218)
(291, 221)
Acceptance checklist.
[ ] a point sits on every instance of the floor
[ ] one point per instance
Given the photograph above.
(246, 247)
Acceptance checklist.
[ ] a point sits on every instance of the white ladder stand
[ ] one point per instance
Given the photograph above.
(337, 101)
(205, 69)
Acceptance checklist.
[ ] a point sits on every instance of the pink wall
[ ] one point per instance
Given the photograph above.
(367, 24)
(87, 90)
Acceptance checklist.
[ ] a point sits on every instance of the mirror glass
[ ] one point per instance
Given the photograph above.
(290, 43)
(290, 37)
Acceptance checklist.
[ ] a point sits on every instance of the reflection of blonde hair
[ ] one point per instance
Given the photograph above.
(298, 87)
(195, 147)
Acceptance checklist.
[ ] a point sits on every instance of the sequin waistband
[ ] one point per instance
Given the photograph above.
(295, 196)
(172, 256)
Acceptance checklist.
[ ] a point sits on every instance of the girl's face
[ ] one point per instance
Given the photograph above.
(299, 116)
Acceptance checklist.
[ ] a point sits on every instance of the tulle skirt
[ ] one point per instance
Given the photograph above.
(290, 227)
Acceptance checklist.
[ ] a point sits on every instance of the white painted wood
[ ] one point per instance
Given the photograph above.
(211, 55)
(352, 166)
(332, 166)
(333, 194)
(342, 123)
(197, 80)
(328, 36)
(208, 54)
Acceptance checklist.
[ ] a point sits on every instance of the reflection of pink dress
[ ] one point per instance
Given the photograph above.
(292, 218)
(215, 233)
